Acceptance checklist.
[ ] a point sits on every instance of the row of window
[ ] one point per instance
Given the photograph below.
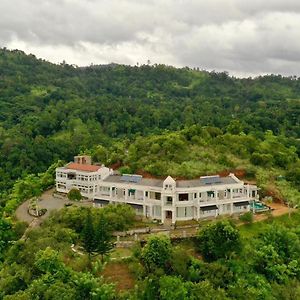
(78, 176)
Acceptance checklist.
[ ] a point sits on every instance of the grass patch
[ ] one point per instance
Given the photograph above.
(251, 230)
(188, 246)
(119, 274)
(118, 253)
(187, 223)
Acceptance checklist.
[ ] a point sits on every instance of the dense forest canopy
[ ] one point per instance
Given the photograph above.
(50, 112)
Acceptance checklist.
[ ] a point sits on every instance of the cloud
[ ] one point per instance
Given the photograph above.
(242, 37)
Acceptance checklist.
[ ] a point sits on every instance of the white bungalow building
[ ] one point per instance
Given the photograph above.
(176, 200)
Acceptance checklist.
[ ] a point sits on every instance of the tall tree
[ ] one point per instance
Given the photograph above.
(88, 234)
(103, 238)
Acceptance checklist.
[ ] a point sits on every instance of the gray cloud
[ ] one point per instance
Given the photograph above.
(242, 37)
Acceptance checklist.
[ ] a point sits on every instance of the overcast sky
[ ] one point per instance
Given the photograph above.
(243, 37)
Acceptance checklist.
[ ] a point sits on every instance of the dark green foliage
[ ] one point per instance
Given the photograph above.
(216, 273)
(218, 240)
(103, 237)
(97, 235)
(6, 234)
(74, 194)
(88, 234)
(52, 111)
(118, 217)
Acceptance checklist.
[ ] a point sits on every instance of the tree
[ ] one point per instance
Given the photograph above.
(119, 217)
(157, 253)
(204, 290)
(269, 263)
(172, 288)
(103, 238)
(74, 194)
(6, 234)
(47, 261)
(88, 234)
(218, 240)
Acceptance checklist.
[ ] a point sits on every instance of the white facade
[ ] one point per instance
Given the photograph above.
(180, 200)
(85, 181)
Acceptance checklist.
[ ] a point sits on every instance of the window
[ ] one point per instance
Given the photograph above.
(211, 194)
(168, 186)
(183, 197)
(195, 195)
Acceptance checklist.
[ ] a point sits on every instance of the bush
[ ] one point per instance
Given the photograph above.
(260, 159)
(75, 195)
(247, 217)
(218, 240)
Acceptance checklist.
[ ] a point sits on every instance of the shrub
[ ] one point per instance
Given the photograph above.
(75, 195)
(247, 217)
(157, 252)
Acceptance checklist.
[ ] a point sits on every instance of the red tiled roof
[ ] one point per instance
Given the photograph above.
(81, 167)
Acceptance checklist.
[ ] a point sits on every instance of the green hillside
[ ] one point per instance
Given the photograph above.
(156, 121)
(50, 112)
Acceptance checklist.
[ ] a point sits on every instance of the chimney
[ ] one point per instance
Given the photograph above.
(83, 159)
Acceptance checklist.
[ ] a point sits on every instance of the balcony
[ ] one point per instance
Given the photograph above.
(186, 203)
(104, 193)
(135, 198)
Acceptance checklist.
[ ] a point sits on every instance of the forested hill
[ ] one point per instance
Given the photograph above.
(50, 112)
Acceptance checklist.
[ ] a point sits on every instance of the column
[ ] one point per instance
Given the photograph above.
(163, 214)
(216, 195)
(94, 190)
(173, 216)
